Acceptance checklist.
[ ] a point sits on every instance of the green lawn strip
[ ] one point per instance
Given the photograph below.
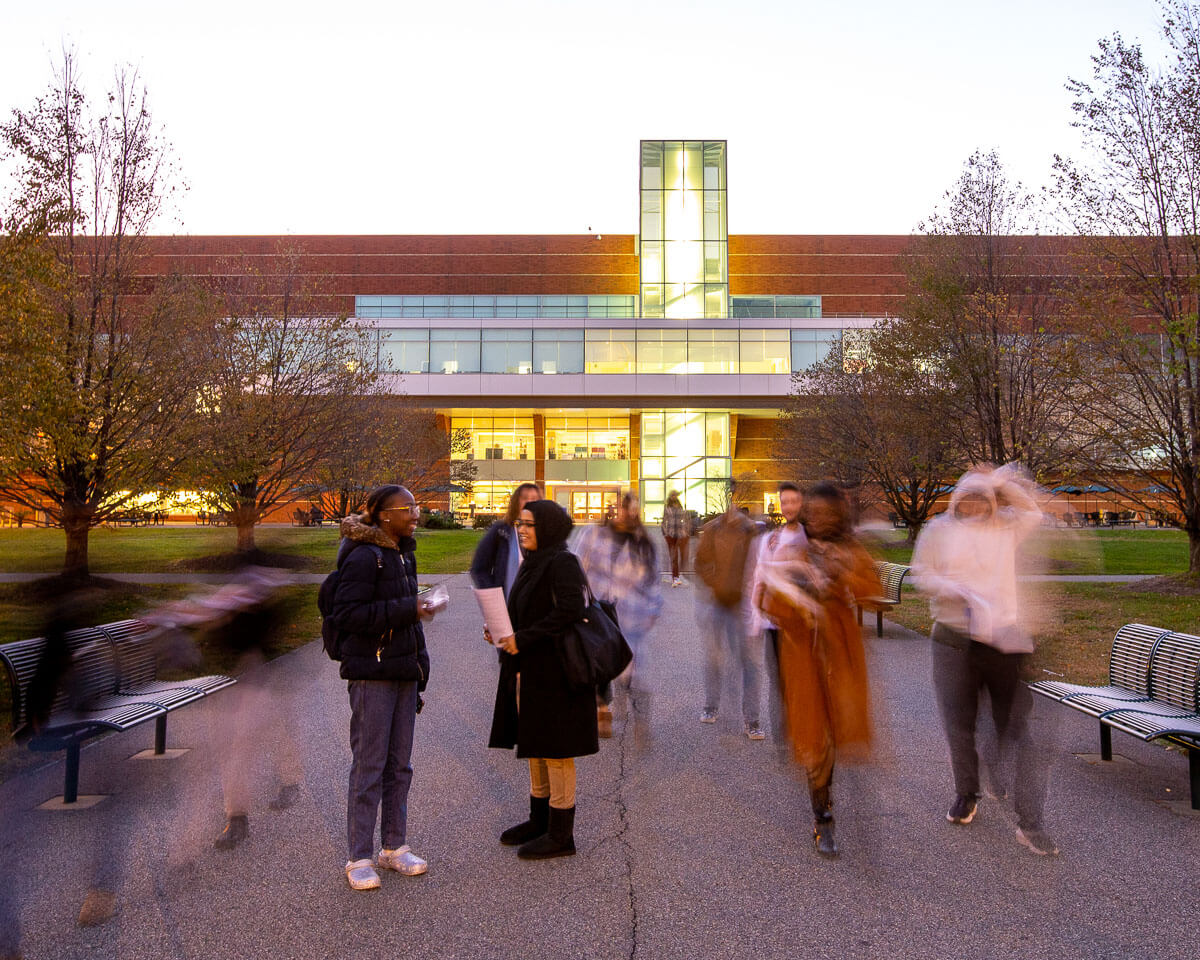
(161, 549)
(1080, 623)
(1092, 552)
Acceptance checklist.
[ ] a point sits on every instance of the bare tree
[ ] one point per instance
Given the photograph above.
(985, 308)
(106, 421)
(284, 393)
(1137, 199)
(868, 417)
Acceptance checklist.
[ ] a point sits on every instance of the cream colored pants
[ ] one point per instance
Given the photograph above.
(554, 779)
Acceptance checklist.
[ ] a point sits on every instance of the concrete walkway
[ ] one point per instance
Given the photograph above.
(697, 846)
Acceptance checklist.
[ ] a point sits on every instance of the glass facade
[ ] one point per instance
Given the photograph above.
(606, 350)
(587, 438)
(805, 308)
(688, 451)
(683, 241)
(388, 307)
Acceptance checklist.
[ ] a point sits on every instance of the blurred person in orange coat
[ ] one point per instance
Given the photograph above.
(809, 592)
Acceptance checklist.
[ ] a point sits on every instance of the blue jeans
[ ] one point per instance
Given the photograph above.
(383, 714)
(727, 635)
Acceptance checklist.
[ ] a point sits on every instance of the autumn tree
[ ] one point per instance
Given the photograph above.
(289, 380)
(101, 423)
(1135, 196)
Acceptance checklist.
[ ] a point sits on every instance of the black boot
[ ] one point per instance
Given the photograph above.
(559, 841)
(237, 828)
(531, 829)
(824, 838)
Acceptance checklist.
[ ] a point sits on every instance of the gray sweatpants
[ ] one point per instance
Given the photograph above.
(382, 718)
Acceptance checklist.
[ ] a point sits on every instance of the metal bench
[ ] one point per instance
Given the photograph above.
(1153, 693)
(113, 687)
(891, 576)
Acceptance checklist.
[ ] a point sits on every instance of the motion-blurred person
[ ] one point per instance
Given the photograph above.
(386, 666)
(676, 530)
(966, 562)
(809, 592)
(722, 558)
(549, 722)
(621, 566)
(777, 545)
(498, 556)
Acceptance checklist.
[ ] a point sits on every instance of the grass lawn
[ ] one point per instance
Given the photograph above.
(168, 549)
(1083, 619)
(1118, 551)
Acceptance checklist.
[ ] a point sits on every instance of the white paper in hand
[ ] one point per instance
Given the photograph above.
(495, 612)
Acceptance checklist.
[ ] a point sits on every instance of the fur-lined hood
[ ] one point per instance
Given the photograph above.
(356, 528)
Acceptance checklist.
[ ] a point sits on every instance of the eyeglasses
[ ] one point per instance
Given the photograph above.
(524, 523)
(415, 510)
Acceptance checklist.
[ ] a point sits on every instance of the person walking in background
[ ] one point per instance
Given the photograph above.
(676, 529)
(549, 722)
(621, 566)
(965, 561)
(498, 556)
(775, 546)
(810, 591)
(386, 666)
(722, 563)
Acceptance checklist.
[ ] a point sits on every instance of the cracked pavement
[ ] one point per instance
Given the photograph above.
(695, 844)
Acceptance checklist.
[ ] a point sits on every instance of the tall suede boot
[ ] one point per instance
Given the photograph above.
(531, 829)
(559, 840)
(823, 834)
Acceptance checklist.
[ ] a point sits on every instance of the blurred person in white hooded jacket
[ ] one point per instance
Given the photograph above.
(966, 562)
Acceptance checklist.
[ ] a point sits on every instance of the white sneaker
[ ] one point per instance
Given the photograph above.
(676, 582)
(402, 860)
(361, 875)
(708, 716)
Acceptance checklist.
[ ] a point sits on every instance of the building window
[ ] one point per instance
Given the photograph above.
(712, 351)
(454, 351)
(662, 351)
(558, 351)
(404, 351)
(496, 438)
(812, 346)
(507, 351)
(476, 306)
(687, 451)
(765, 351)
(804, 308)
(587, 438)
(610, 351)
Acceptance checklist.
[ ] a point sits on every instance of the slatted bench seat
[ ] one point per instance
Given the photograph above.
(1153, 693)
(891, 576)
(113, 687)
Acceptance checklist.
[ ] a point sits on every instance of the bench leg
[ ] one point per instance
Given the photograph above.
(1105, 741)
(71, 778)
(879, 623)
(1194, 776)
(160, 734)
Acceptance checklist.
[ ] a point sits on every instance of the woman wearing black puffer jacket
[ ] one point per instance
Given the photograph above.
(376, 609)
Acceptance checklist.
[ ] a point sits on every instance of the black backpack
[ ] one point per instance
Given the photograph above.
(331, 637)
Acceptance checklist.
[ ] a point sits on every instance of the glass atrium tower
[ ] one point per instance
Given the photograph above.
(683, 244)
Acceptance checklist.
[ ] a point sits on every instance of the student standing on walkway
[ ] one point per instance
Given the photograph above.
(773, 547)
(384, 660)
(549, 722)
(621, 566)
(966, 562)
(726, 547)
(810, 592)
(498, 556)
(676, 530)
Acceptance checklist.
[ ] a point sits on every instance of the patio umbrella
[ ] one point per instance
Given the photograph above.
(1155, 488)
(1070, 490)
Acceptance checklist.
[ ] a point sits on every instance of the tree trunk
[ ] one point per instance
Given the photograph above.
(1193, 551)
(245, 532)
(76, 521)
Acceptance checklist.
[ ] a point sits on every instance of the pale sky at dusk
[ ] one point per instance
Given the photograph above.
(485, 116)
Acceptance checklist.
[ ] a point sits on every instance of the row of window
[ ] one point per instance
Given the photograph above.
(602, 305)
(603, 350)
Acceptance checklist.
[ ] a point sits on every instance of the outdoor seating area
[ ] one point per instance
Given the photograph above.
(1153, 693)
(114, 688)
(891, 576)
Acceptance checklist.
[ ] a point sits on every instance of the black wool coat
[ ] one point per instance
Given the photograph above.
(376, 607)
(554, 721)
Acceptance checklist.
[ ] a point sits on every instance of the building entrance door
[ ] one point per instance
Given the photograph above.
(588, 504)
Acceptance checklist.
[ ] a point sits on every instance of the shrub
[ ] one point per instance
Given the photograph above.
(485, 520)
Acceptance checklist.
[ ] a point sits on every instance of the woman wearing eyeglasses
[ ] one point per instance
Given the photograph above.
(384, 660)
(549, 722)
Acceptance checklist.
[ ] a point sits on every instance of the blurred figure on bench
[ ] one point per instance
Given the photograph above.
(965, 561)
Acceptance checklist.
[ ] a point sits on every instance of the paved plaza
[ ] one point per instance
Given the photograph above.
(697, 844)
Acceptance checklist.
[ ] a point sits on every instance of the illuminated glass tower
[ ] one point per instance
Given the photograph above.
(683, 244)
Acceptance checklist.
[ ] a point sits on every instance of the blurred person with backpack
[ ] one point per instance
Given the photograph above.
(376, 619)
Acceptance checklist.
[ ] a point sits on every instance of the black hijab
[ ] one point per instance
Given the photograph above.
(552, 524)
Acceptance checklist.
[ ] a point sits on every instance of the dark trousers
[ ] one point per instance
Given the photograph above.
(677, 550)
(961, 669)
(382, 718)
